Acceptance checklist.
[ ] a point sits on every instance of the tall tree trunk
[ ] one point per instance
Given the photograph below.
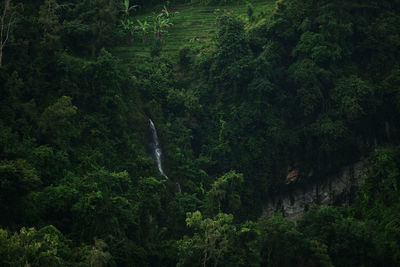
(4, 28)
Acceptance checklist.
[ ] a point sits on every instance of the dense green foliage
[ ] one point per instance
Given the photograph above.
(313, 86)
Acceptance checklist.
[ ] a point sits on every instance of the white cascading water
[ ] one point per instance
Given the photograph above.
(158, 152)
(157, 149)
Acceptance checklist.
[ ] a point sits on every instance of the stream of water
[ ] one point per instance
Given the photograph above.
(157, 149)
(158, 153)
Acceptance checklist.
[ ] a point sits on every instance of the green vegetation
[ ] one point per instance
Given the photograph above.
(193, 25)
(240, 92)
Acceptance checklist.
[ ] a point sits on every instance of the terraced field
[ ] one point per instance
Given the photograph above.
(194, 25)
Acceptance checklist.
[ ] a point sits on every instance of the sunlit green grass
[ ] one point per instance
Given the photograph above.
(193, 25)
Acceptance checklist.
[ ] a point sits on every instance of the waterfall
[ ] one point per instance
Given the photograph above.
(158, 152)
(157, 149)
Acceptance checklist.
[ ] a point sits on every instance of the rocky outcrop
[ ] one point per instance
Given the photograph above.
(335, 190)
(292, 176)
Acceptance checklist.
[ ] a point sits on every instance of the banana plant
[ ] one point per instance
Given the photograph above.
(129, 26)
(165, 12)
(127, 9)
(160, 25)
(143, 28)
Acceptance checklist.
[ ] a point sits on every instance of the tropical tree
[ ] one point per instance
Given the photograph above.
(224, 195)
(165, 13)
(160, 25)
(129, 27)
(127, 9)
(18, 180)
(97, 255)
(281, 244)
(210, 242)
(57, 121)
(7, 20)
(143, 28)
(43, 247)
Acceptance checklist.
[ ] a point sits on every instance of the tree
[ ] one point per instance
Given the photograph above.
(97, 256)
(210, 241)
(230, 71)
(281, 244)
(7, 21)
(160, 25)
(48, 16)
(94, 24)
(18, 180)
(127, 9)
(57, 120)
(148, 198)
(353, 97)
(30, 247)
(224, 195)
(102, 208)
(377, 204)
(144, 27)
(129, 26)
(348, 241)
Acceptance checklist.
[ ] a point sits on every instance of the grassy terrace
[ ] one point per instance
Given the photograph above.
(193, 25)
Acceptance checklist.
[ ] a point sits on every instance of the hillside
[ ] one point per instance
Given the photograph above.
(199, 133)
(192, 25)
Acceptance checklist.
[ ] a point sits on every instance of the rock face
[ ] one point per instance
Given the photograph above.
(337, 189)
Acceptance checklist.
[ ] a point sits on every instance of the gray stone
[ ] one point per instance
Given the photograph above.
(336, 189)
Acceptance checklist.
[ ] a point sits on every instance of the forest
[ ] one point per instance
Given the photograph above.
(128, 138)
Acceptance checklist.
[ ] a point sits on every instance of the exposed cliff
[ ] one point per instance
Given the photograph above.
(337, 189)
